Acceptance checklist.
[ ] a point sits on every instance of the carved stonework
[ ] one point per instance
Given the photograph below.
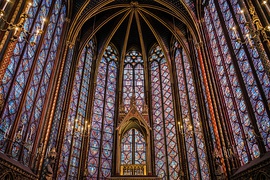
(1, 102)
(258, 169)
(49, 169)
(11, 169)
(122, 112)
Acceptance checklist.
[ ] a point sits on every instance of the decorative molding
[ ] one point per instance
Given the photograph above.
(257, 169)
(13, 169)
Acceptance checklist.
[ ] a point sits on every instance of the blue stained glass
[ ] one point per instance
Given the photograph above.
(161, 94)
(249, 76)
(76, 124)
(19, 70)
(101, 130)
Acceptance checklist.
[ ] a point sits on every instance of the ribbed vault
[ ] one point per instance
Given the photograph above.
(129, 24)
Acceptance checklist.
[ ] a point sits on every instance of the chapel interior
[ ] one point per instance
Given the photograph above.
(135, 89)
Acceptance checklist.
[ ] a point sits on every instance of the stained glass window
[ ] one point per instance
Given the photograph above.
(166, 148)
(133, 80)
(26, 80)
(60, 103)
(76, 123)
(192, 127)
(133, 148)
(102, 126)
(229, 82)
(251, 75)
(127, 147)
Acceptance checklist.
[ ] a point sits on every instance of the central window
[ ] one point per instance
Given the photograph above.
(133, 151)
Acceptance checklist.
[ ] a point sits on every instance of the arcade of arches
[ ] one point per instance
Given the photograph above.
(135, 89)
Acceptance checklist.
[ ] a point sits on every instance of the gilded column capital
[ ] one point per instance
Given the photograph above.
(70, 44)
(67, 20)
(198, 45)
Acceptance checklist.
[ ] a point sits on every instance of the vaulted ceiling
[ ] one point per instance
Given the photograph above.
(133, 24)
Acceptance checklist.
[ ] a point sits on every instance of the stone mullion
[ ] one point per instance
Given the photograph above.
(177, 119)
(150, 115)
(116, 118)
(133, 147)
(210, 104)
(144, 55)
(163, 121)
(215, 88)
(201, 102)
(103, 117)
(223, 134)
(205, 124)
(122, 58)
(220, 124)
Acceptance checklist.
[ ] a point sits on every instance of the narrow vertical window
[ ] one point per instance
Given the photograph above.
(102, 125)
(166, 150)
(76, 123)
(133, 80)
(192, 127)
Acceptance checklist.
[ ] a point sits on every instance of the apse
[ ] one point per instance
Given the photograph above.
(145, 89)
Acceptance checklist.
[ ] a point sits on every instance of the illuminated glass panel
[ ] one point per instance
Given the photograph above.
(17, 72)
(127, 147)
(101, 135)
(140, 148)
(26, 81)
(76, 124)
(232, 92)
(228, 80)
(249, 78)
(133, 148)
(200, 143)
(127, 86)
(166, 150)
(263, 122)
(39, 86)
(57, 115)
(194, 138)
(133, 81)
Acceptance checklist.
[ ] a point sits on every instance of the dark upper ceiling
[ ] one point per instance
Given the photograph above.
(134, 24)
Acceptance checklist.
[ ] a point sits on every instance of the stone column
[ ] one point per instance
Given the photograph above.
(211, 107)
